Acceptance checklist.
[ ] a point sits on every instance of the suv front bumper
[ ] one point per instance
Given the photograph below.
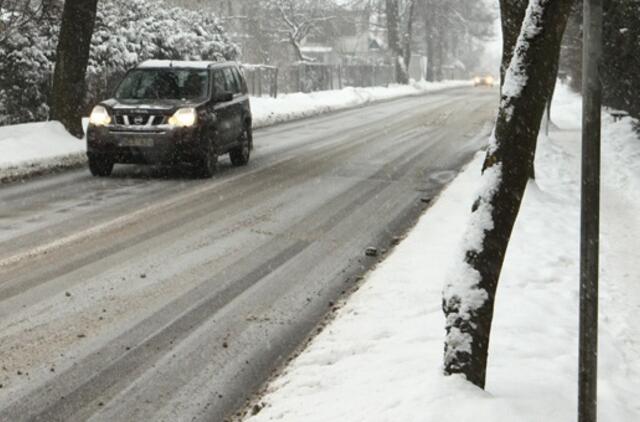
(156, 145)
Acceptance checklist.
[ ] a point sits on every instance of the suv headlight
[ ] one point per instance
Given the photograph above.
(184, 117)
(99, 116)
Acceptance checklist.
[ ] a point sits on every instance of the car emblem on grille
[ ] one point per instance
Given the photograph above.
(138, 120)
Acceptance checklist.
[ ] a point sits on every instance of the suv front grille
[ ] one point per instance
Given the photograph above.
(137, 119)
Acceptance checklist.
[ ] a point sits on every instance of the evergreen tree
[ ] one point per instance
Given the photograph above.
(621, 54)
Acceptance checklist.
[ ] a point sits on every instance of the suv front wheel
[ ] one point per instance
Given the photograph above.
(100, 166)
(207, 165)
(240, 155)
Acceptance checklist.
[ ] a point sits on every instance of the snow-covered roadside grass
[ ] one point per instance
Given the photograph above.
(37, 148)
(381, 358)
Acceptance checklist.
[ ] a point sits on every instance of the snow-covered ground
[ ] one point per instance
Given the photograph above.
(268, 111)
(381, 358)
(39, 147)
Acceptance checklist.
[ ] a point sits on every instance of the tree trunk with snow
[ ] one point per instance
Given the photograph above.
(297, 50)
(68, 91)
(469, 294)
(513, 13)
(399, 47)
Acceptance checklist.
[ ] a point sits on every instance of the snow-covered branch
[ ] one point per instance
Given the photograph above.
(300, 22)
(15, 15)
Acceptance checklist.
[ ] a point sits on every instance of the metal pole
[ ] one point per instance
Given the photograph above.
(590, 217)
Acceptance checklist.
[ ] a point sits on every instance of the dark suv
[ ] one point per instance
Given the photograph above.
(169, 112)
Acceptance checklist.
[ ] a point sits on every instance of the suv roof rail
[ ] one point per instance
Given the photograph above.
(151, 64)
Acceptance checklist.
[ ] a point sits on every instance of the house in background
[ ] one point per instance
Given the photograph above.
(356, 36)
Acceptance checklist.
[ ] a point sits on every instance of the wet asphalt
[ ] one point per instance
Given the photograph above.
(154, 296)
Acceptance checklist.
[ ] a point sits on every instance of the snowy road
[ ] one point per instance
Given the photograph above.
(151, 296)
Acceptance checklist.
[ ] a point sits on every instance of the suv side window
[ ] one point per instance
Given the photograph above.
(219, 82)
(231, 81)
(239, 79)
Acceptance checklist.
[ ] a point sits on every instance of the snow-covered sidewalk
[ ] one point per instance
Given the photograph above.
(40, 147)
(381, 359)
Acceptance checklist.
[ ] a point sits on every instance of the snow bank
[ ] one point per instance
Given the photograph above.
(36, 148)
(381, 359)
(268, 111)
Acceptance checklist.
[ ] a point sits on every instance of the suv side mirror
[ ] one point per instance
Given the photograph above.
(223, 97)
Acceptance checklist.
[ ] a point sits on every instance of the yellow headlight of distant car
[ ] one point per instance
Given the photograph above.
(184, 117)
(489, 80)
(99, 116)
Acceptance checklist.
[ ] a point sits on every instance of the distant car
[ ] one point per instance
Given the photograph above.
(484, 81)
(170, 112)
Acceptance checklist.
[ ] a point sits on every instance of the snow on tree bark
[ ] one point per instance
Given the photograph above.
(513, 14)
(300, 25)
(469, 293)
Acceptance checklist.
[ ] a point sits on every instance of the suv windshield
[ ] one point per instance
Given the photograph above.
(164, 84)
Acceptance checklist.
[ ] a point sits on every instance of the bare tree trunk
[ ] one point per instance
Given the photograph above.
(440, 55)
(469, 295)
(431, 70)
(407, 37)
(549, 98)
(68, 91)
(429, 10)
(430, 44)
(394, 39)
(441, 13)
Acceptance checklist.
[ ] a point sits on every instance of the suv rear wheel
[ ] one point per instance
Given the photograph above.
(100, 166)
(240, 155)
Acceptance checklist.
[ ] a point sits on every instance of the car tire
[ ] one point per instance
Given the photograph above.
(100, 166)
(207, 165)
(241, 154)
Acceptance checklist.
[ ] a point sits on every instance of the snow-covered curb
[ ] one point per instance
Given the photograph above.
(37, 148)
(381, 359)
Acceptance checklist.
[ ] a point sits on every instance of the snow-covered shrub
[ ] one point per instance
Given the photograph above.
(126, 33)
(25, 73)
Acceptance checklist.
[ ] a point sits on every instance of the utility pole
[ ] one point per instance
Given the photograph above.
(590, 211)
